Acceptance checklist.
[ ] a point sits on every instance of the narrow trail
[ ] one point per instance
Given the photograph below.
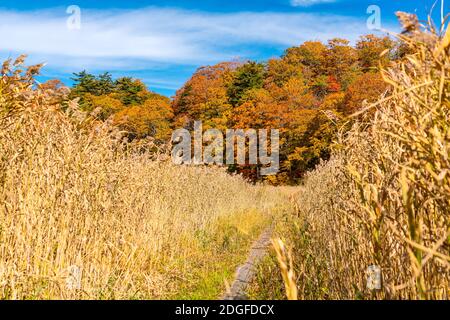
(246, 272)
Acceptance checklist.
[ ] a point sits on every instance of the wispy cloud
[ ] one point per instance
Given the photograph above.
(308, 3)
(120, 38)
(161, 45)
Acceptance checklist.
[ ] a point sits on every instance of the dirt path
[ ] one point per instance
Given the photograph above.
(246, 272)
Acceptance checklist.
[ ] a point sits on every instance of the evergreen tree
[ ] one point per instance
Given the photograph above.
(248, 76)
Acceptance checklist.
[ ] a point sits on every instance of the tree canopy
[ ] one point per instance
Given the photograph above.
(307, 94)
(127, 102)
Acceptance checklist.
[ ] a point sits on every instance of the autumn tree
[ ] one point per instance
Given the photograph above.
(307, 94)
(127, 101)
(204, 97)
(367, 88)
(370, 49)
(312, 56)
(151, 118)
(104, 105)
(341, 61)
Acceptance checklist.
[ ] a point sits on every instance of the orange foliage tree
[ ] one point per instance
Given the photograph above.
(306, 94)
(127, 101)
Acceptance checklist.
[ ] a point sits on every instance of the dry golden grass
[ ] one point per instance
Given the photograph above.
(384, 197)
(72, 195)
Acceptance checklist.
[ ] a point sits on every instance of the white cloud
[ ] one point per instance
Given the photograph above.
(121, 39)
(307, 3)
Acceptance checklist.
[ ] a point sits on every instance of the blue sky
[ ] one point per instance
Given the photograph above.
(164, 41)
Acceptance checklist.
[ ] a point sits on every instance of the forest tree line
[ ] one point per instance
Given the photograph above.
(308, 94)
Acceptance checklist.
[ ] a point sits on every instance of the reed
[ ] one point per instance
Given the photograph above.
(384, 197)
(84, 215)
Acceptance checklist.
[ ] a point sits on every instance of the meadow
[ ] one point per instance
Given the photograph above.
(90, 211)
(383, 199)
(74, 196)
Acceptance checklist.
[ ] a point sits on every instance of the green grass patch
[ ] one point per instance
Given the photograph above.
(220, 252)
